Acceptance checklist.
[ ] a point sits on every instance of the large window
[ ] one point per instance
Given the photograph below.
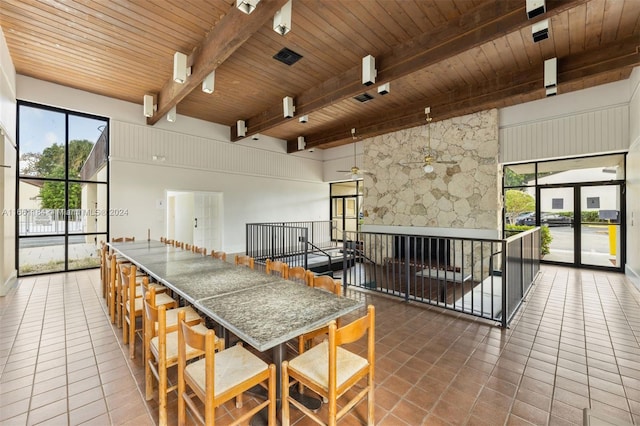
(579, 204)
(62, 193)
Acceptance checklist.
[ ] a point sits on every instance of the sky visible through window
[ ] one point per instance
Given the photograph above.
(40, 128)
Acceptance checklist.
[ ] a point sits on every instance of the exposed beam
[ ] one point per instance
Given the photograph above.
(226, 37)
(474, 28)
(467, 99)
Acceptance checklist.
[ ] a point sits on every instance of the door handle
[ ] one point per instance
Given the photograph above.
(196, 222)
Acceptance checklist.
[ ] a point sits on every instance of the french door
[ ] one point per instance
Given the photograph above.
(346, 207)
(345, 215)
(585, 224)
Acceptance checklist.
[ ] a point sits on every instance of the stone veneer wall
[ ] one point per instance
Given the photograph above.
(462, 195)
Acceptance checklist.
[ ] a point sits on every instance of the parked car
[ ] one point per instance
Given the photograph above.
(548, 219)
(528, 218)
(555, 220)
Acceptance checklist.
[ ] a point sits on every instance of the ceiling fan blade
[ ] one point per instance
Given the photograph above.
(446, 162)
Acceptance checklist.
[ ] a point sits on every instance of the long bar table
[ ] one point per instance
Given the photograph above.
(263, 310)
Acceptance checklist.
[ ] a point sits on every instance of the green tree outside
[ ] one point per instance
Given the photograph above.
(517, 202)
(512, 178)
(51, 164)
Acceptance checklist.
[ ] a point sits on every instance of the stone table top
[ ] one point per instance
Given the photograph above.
(263, 310)
(275, 312)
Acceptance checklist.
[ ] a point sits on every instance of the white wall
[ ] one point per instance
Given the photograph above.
(591, 121)
(633, 181)
(341, 158)
(246, 199)
(7, 175)
(7, 90)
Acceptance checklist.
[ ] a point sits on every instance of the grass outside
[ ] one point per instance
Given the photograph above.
(58, 265)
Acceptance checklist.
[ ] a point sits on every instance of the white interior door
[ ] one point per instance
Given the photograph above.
(207, 230)
(184, 214)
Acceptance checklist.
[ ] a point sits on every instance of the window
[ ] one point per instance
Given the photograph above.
(557, 203)
(62, 189)
(593, 202)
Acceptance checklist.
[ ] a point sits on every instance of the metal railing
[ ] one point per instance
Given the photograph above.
(50, 221)
(296, 243)
(479, 277)
(522, 264)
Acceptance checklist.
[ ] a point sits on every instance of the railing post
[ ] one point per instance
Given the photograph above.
(407, 269)
(344, 265)
(505, 287)
(305, 234)
(284, 241)
(521, 240)
(246, 238)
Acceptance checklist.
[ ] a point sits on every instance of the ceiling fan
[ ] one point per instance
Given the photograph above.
(430, 156)
(355, 171)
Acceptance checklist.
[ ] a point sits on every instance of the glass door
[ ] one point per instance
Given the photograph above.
(557, 219)
(346, 208)
(337, 216)
(600, 235)
(582, 224)
(344, 215)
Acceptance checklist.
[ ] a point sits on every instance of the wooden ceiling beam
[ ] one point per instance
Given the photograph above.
(233, 30)
(474, 28)
(469, 99)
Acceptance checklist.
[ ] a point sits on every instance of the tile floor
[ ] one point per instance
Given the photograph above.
(575, 344)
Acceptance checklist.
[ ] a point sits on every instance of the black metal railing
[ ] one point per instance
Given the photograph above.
(487, 278)
(306, 243)
(466, 275)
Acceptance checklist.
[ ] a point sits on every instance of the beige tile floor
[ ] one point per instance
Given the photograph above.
(575, 344)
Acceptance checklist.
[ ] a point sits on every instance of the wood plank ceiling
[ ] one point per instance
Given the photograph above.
(456, 56)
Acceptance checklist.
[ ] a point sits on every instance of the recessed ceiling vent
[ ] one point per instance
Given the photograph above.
(365, 97)
(287, 56)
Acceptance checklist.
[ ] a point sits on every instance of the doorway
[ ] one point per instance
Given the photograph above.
(580, 204)
(584, 224)
(195, 218)
(346, 208)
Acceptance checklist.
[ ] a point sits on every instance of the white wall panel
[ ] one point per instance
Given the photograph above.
(633, 183)
(7, 219)
(139, 143)
(7, 175)
(589, 132)
(7, 91)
